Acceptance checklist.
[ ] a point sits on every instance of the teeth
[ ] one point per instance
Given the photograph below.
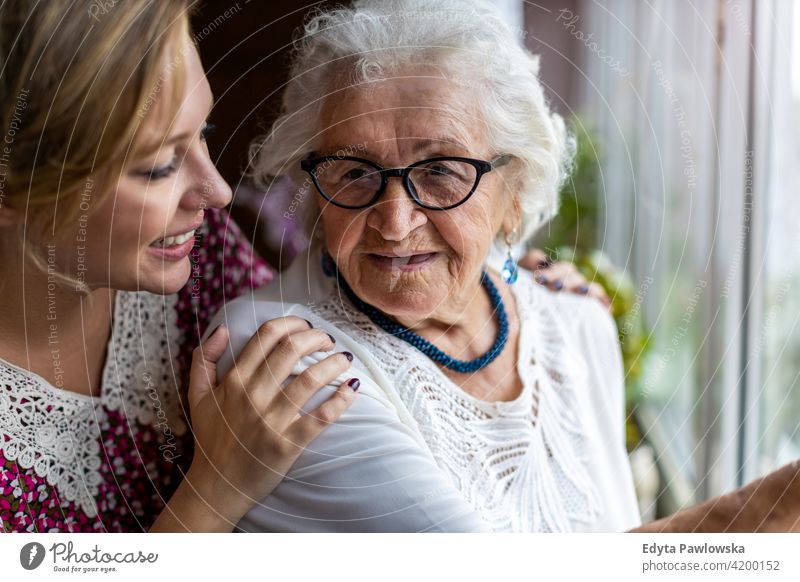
(420, 258)
(174, 240)
(409, 260)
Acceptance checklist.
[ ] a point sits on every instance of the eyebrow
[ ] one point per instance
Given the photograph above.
(428, 142)
(173, 140)
(425, 143)
(149, 147)
(185, 135)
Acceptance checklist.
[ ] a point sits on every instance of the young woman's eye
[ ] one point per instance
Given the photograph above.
(159, 173)
(207, 131)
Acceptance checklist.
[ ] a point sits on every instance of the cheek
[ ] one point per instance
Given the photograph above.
(141, 217)
(468, 234)
(343, 230)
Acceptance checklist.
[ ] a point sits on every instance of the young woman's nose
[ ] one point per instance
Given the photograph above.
(209, 190)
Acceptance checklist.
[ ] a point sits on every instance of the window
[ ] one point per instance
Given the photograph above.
(698, 138)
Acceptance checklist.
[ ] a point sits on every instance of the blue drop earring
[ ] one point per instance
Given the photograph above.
(510, 268)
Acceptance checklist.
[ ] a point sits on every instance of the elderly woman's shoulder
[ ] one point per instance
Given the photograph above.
(579, 314)
(269, 299)
(244, 314)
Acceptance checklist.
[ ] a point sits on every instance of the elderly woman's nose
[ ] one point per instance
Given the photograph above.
(395, 215)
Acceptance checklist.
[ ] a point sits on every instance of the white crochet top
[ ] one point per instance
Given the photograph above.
(417, 453)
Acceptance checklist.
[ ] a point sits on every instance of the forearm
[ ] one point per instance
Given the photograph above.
(769, 504)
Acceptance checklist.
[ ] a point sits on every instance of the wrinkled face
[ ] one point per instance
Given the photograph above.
(141, 236)
(410, 262)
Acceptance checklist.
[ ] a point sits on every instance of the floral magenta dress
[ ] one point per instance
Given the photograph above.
(76, 463)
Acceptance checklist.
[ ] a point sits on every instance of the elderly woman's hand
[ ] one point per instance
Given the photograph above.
(561, 276)
(768, 504)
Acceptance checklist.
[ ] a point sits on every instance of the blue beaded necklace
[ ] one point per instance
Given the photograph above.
(426, 347)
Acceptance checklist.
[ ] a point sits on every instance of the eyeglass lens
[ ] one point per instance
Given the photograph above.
(439, 183)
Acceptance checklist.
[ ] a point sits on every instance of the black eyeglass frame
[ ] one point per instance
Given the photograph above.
(481, 166)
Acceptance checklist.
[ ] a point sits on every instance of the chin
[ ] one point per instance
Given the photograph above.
(404, 304)
(165, 281)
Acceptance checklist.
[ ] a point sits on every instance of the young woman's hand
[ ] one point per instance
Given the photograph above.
(561, 276)
(248, 431)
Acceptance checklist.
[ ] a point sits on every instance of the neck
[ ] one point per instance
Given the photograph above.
(47, 325)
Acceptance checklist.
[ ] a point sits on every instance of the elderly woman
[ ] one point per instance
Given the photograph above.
(487, 403)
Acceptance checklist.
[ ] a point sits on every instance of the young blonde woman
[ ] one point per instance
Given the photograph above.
(115, 255)
(109, 205)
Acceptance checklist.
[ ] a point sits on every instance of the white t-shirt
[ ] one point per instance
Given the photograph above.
(416, 453)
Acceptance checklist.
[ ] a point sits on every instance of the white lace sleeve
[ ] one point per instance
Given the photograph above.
(368, 472)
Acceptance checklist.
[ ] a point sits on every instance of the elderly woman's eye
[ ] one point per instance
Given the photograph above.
(439, 170)
(445, 171)
(356, 174)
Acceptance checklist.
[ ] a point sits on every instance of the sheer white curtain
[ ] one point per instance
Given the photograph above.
(773, 390)
(673, 121)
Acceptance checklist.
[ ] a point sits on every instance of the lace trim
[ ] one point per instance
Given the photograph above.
(55, 432)
(522, 464)
(139, 377)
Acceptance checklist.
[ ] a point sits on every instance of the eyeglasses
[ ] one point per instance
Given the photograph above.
(436, 183)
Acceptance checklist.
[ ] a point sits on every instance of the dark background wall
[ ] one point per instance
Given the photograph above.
(245, 49)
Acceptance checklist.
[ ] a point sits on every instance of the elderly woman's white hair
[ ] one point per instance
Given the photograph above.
(464, 39)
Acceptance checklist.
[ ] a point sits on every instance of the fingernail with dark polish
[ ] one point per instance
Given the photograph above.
(583, 289)
(542, 280)
(558, 285)
(348, 355)
(309, 324)
(333, 340)
(354, 383)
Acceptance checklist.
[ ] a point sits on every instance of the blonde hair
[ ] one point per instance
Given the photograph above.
(77, 83)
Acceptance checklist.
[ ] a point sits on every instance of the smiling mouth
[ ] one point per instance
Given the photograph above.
(398, 262)
(173, 241)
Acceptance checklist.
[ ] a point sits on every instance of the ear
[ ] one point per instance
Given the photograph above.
(512, 220)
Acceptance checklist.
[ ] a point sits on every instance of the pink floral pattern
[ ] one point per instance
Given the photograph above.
(136, 478)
